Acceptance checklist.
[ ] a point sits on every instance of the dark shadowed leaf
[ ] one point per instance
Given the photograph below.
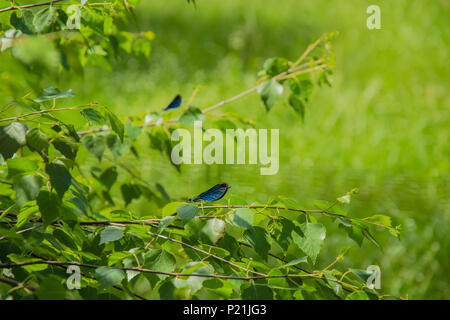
(116, 124)
(130, 191)
(297, 104)
(60, 177)
(93, 116)
(51, 288)
(108, 177)
(12, 136)
(48, 203)
(95, 145)
(256, 292)
(23, 23)
(258, 239)
(36, 139)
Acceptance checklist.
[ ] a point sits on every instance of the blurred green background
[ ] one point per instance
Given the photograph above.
(383, 126)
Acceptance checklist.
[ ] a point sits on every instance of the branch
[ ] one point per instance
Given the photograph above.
(295, 69)
(30, 5)
(324, 212)
(89, 277)
(277, 77)
(153, 222)
(205, 252)
(309, 49)
(17, 283)
(173, 274)
(42, 112)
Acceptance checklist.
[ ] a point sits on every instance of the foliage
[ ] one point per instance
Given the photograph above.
(57, 212)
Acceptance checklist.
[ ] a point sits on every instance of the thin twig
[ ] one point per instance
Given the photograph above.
(173, 274)
(248, 91)
(41, 112)
(204, 252)
(295, 69)
(328, 213)
(17, 283)
(30, 5)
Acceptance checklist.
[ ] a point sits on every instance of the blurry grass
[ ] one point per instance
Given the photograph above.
(382, 127)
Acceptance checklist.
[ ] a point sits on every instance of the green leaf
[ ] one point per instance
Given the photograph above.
(130, 191)
(30, 268)
(23, 23)
(190, 115)
(51, 93)
(160, 260)
(186, 212)
(44, 18)
(108, 177)
(277, 282)
(37, 140)
(164, 222)
(269, 92)
(297, 104)
(63, 237)
(142, 46)
(275, 66)
(116, 124)
(132, 131)
(67, 149)
(93, 116)
(302, 89)
(95, 145)
(214, 229)
(24, 214)
(51, 288)
(362, 274)
(48, 203)
(256, 292)
(117, 148)
(369, 236)
(27, 189)
(357, 295)
(170, 208)
(108, 277)
(60, 177)
(294, 262)
(12, 136)
(110, 234)
(310, 239)
(192, 284)
(258, 239)
(382, 219)
(243, 218)
(353, 231)
(20, 166)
